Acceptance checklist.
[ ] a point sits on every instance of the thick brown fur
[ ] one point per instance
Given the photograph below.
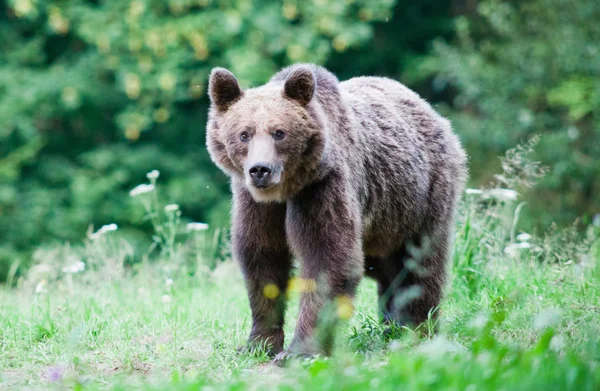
(365, 182)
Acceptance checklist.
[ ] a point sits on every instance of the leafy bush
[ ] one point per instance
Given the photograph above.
(94, 94)
(518, 68)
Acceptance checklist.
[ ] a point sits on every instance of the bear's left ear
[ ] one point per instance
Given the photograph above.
(223, 88)
(300, 85)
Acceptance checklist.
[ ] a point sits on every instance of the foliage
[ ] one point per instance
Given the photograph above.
(93, 94)
(518, 68)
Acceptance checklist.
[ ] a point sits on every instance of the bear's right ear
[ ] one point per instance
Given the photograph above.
(223, 88)
(300, 85)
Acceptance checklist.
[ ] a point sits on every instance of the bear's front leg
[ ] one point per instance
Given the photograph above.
(260, 246)
(323, 228)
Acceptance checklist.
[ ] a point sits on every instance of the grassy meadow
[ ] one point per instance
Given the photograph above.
(521, 312)
(96, 93)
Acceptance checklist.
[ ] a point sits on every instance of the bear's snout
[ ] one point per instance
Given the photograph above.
(261, 175)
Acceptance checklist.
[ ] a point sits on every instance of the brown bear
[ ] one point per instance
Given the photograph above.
(351, 178)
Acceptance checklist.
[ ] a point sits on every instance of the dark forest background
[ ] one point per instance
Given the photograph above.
(94, 94)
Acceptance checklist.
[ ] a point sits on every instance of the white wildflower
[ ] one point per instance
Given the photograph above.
(503, 194)
(169, 282)
(546, 318)
(141, 189)
(154, 174)
(525, 117)
(573, 132)
(479, 322)
(396, 346)
(104, 229)
(74, 268)
(557, 343)
(166, 299)
(523, 237)
(41, 287)
(350, 371)
(512, 249)
(171, 208)
(440, 346)
(485, 358)
(197, 226)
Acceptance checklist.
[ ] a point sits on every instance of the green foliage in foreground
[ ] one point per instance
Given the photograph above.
(521, 312)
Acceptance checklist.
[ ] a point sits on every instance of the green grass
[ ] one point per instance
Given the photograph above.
(522, 319)
(529, 326)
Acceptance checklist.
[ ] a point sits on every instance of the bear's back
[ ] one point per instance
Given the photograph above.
(408, 149)
(389, 99)
(385, 112)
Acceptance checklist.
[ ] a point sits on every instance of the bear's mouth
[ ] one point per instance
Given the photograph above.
(266, 193)
(265, 186)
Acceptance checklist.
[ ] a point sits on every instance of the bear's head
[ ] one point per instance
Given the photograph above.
(270, 138)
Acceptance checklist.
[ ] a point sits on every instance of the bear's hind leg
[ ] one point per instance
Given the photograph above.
(411, 283)
(416, 289)
(384, 272)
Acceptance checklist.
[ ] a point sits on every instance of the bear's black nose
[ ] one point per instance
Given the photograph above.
(260, 172)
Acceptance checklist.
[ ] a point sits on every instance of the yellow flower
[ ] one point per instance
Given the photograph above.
(344, 307)
(271, 291)
(302, 285)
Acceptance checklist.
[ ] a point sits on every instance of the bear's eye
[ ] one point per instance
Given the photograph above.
(279, 134)
(244, 136)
